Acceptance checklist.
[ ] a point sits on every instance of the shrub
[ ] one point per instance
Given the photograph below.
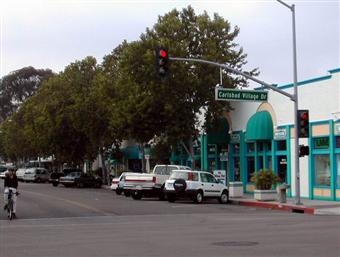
(264, 179)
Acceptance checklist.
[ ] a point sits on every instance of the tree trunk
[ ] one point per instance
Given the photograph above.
(190, 152)
(104, 169)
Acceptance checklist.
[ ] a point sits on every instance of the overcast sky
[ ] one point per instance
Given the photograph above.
(52, 34)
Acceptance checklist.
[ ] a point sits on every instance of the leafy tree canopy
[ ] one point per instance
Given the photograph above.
(148, 105)
(17, 86)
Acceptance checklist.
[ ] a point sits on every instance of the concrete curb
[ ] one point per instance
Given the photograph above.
(275, 206)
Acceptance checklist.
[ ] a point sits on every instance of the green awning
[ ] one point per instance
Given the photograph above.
(260, 127)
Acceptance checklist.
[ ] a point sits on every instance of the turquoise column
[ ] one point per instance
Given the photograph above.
(274, 160)
(332, 159)
(265, 161)
(243, 159)
(289, 161)
(311, 164)
(205, 153)
(256, 157)
(202, 151)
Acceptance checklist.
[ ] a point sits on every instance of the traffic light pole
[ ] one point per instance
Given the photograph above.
(296, 133)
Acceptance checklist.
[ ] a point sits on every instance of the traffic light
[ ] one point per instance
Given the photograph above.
(303, 123)
(162, 61)
(303, 150)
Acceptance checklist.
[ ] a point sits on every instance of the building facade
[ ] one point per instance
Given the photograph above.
(257, 135)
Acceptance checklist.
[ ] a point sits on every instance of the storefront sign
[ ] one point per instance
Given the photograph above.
(235, 138)
(337, 129)
(221, 175)
(211, 149)
(321, 143)
(224, 156)
(280, 134)
(223, 94)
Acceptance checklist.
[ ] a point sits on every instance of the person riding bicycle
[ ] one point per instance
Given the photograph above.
(11, 183)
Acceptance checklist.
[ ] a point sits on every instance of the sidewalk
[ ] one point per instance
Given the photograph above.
(314, 207)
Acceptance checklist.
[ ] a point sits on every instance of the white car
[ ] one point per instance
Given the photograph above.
(117, 184)
(36, 175)
(195, 185)
(3, 174)
(20, 173)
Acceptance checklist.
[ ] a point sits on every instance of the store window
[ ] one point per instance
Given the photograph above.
(236, 148)
(269, 146)
(281, 145)
(250, 167)
(269, 162)
(322, 170)
(282, 168)
(250, 147)
(260, 146)
(260, 163)
(337, 142)
(237, 171)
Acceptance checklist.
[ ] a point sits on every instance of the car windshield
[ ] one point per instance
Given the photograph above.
(74, 174)
(179, 174)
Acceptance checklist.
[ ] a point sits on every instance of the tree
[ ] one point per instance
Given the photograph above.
(19, 85)
(170, 107)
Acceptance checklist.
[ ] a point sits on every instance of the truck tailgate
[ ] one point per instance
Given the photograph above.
(139, 181)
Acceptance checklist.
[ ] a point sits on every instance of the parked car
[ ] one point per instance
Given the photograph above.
(80, 179)
(54, 178)
(36, 174)
(67, 171)
(117, 184)
(150, 184)
(195, 185)
(20, 174)
(3, 174)
(4, 169)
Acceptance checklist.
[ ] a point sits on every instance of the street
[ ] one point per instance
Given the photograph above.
(72, 222)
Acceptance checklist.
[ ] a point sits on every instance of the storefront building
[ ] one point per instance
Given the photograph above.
(257, 135)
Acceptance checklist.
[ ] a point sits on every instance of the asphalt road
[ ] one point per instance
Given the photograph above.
(70, 222)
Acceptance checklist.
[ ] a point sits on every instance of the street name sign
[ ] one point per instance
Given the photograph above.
(224, 94)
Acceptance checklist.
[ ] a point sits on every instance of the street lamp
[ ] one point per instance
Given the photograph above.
(296, 136)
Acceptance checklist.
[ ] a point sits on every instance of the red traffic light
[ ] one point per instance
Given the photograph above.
(304, 115)
(303, 123)
(162, 61)
(163, 53)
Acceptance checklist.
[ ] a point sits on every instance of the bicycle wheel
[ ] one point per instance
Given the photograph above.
(10, 209)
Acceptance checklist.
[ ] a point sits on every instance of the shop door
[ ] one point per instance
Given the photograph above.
(282, 168)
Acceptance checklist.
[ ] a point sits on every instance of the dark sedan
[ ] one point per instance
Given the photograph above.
(80, 179)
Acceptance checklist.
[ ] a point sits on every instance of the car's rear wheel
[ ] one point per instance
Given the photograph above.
(127, 193)
(118, 191)
(161, 194)
(224, 198)
(171, 198)
(198, 198)
(136, 195)
(55, 184)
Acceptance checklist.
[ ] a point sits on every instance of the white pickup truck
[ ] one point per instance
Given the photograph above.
(150, 184)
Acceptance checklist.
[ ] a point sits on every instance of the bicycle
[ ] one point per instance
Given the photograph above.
(10, 204)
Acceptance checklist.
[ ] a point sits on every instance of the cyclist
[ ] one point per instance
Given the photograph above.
(11, 182)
